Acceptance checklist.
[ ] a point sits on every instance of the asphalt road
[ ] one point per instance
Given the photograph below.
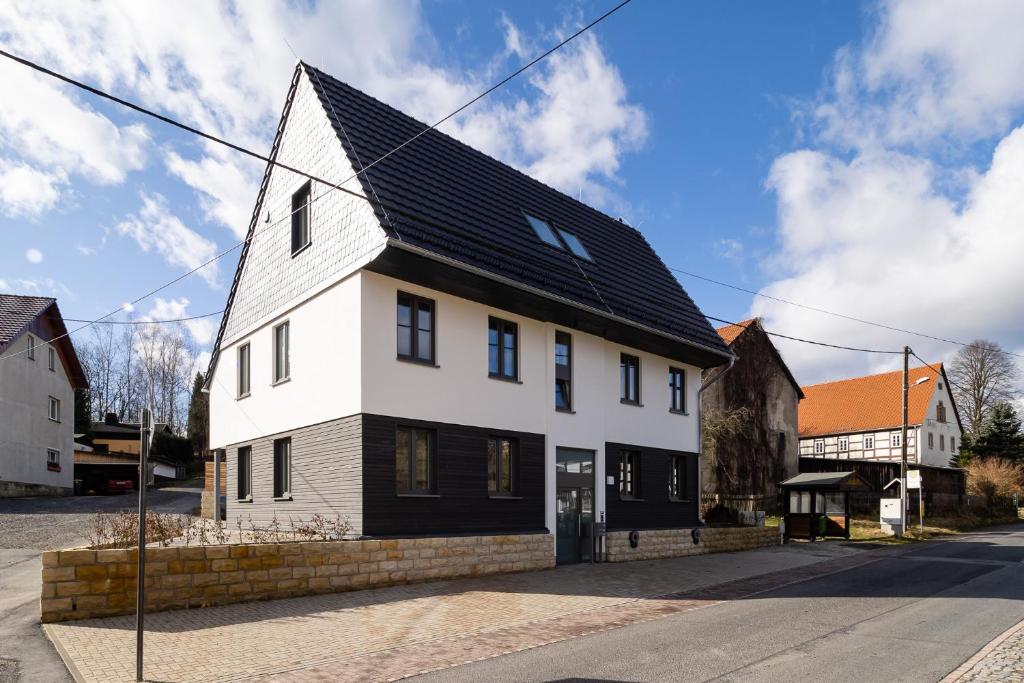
(30, 525)
(911, 617)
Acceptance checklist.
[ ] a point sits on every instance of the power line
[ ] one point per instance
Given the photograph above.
(833, 313)
(145, 322)
(806, 341)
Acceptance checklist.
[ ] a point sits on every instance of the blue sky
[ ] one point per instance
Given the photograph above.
(834, 153)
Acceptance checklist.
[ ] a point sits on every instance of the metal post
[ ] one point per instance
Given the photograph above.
(903, 441)
(216, 485)
(145, 431)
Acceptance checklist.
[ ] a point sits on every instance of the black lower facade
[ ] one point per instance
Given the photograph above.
(652, 507)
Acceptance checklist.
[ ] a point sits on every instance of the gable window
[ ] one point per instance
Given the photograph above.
(940, 412)
(415, 328)
(574, 244)
(677, 390)
(51, 359)
(53, 409)
(245, 473)
(53, 459)
(502, 349)
(300, 219)
(414, 461)
(501, 466)
(869, 443)
(897, 440)
(243, 370)
(563, 371)
(844, 444)
(819, 446)
(31, 347)
(629, 475)
(544, 231)
(677, 478)
(629, 379)
(931, 440)
(282, 360)
(283, 468)
(942, 442)
(952, 444)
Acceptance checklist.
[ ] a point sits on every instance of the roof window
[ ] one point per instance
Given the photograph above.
(575, 246)
(558, 238)
(544, 231)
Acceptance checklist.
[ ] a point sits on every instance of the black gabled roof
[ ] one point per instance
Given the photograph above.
(40, 315)
(445, 197)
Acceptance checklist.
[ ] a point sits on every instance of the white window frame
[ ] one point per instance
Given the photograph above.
(31, 352)
(53, 408)
(896, 440)
(276, 352)
(53, 457)
(819, 447)
(844, 444)
(869, 442)
(51, 359)
(244, 372)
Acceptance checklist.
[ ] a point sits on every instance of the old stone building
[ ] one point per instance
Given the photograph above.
(750, 417)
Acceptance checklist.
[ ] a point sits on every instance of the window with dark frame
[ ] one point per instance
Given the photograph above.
(502, 461)
(574, 244)
(415, 328)
(282, 468)
(629, 475)
(677, 479)
(940, 412)
(544, 232)
(245, 473)
(243, 370)
(563, 371)
(502, 349)
(677, 390)
(300, 218)
(629, 379)
(53, 409)
(51, 359)
(31, 347)
(282, 361)
(53, 459)
(415, 457)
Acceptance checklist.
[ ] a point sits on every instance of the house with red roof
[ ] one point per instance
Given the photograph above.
(861, 418)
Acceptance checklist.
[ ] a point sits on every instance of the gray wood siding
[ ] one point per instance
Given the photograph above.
(327, 475)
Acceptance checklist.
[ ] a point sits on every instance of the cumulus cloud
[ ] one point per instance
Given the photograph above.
(33, 255)
(26, 191)
(202, 330)
(155, 228)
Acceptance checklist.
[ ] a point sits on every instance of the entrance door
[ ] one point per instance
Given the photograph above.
(574, 505)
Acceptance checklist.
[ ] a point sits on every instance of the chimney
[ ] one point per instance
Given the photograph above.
(111, 419)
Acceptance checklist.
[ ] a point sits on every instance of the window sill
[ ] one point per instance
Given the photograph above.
(502, 378)
(246, 500)
(283, 380)
(499, 496)
(303, 248)
(53, 468)
(631, 403)
(282, 498)
(418, 495)
(630, 499)
(418, 361)
(241, 396)
(679, 500)
(567, 411)
(678, 412)
(52, 420)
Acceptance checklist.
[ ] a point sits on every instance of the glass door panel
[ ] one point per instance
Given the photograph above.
(567, 507)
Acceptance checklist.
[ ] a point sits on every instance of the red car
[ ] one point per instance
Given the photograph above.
(120, 485)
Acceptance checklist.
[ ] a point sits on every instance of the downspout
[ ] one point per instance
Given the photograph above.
(700, 433)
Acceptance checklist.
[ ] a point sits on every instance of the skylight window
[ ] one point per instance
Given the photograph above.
(544, 231)
(575, 246)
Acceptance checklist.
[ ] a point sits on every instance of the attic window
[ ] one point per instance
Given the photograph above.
(544, 231)
(300, 219)
(575, 246)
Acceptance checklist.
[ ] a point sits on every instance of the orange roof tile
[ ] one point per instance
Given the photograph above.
(730, 332)
(865, 403)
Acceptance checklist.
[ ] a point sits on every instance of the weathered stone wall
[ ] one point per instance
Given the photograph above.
(206, 509)
(659, 543)
(14, 489)
(81, 584)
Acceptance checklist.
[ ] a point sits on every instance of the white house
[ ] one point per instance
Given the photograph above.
(861, 418)
(447, 346)
(37, 398)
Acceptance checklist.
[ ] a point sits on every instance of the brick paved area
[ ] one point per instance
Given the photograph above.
(395, 632)
(1001, 661)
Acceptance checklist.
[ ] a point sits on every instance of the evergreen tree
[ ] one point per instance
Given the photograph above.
(199, 417)
(83, 411)
(1001, 435)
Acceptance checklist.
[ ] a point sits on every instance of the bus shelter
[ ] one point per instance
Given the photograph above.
(818, 504)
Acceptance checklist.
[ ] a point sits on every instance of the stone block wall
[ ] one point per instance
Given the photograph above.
(206, 505)
(82, 584)
(660, 543)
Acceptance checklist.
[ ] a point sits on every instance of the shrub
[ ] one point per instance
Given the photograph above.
(994, 480)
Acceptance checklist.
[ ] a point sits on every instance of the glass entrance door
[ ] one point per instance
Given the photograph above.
(567, 509)
(574, 504)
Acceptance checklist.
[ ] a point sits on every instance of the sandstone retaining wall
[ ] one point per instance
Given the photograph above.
(659, 543)
(82, 584)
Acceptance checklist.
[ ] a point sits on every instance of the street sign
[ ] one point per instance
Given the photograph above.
(913, 479)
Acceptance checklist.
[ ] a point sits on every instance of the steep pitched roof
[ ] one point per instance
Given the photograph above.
(39, 314)
(445, 197)
(730, 333)
(866, 403)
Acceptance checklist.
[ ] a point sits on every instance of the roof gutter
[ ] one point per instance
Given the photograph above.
(700, 432)
(392, 242)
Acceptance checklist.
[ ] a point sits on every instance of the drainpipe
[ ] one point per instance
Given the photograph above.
(700, 433)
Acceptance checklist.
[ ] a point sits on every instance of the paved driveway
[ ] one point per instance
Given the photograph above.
(27, 527)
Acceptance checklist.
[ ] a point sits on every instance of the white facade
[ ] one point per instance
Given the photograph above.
(937, 438)
(27, 431)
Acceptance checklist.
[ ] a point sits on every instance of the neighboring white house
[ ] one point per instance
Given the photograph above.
(447, 346)
(37, 398)
(861, 418)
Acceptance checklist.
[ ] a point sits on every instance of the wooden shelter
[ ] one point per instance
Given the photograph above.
(818, 503)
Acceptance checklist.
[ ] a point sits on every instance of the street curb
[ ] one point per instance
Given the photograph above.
(965, 668)
(69, 663)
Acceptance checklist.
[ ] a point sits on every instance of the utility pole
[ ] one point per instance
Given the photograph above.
(145, 431)
(903, 441)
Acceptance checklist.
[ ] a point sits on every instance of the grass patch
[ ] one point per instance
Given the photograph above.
(862, 529)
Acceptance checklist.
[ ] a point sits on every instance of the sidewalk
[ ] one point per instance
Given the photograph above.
(1002, 661)
(391, 633)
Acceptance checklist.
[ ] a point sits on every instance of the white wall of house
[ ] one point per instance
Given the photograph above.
(26, 431)
(945, 435)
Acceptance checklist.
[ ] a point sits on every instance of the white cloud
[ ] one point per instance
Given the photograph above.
(202, 329)
(33, 255)
(45, 286)
(730, 249)
(27, 191)
(156, 228)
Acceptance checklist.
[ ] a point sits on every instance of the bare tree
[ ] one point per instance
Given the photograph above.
(982, 376)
